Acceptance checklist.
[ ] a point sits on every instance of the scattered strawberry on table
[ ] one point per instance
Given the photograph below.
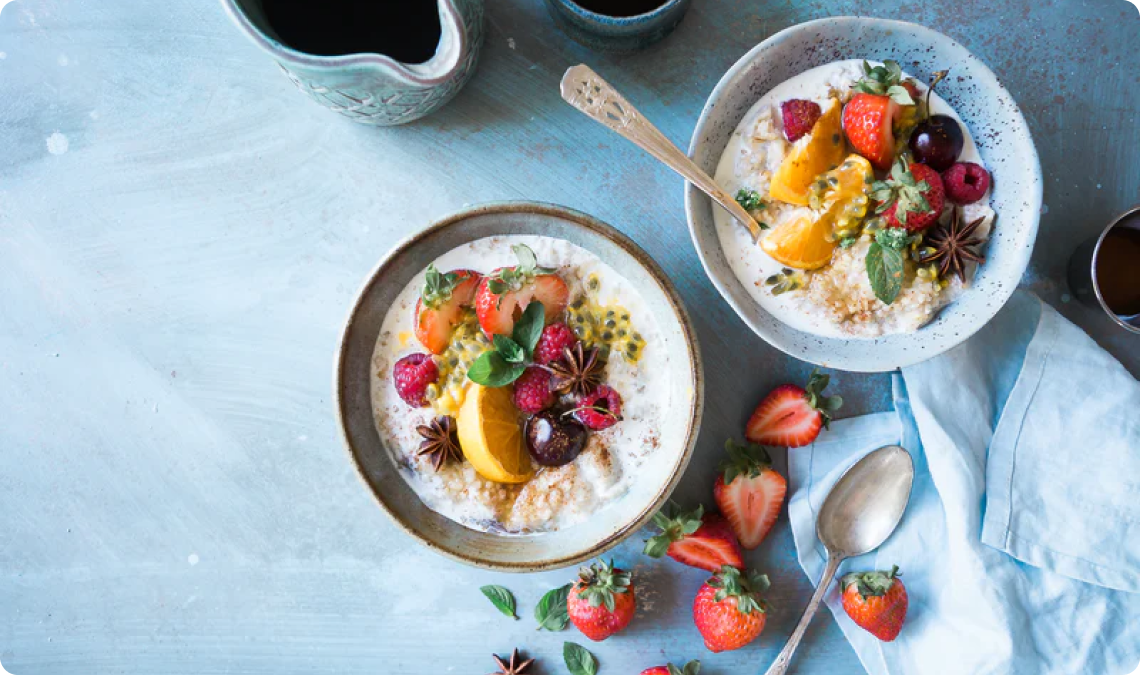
(793, 416)
(749, 492)
(601, 602)
(695, 538)
(876, 602)
(691, 668)
(728, 610)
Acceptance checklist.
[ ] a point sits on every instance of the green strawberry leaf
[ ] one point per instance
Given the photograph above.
(900, 95)
(551, 611)
(527, 259)
(528, 329)
(502, 599)
(492, 370)
(438, 287)
(885, 271)
(579, 660)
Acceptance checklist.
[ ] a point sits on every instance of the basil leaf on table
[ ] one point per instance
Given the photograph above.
(508, 349)
(502, 599)
(579, 660)
(528, 329)
(885, 272)
(492, 370)
(551, 611)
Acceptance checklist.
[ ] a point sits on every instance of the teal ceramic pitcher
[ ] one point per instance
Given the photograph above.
(373, 88)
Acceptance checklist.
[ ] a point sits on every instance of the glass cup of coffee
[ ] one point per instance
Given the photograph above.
(1105, 270)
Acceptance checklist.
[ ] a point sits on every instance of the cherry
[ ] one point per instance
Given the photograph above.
(553, 441)
(937, 142)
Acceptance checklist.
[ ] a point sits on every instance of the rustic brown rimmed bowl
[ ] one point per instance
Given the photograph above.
(677, 351)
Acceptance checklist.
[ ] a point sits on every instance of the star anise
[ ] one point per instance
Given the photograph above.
(578, 371)
(514, 667)
(439, 441)
(954, 245)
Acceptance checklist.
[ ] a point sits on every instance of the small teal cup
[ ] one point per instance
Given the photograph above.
(617, 33)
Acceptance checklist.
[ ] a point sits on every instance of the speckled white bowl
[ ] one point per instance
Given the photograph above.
(677, 351)
(983, 103)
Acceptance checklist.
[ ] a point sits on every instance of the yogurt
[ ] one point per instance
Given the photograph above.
(556, 497)
(837, 301)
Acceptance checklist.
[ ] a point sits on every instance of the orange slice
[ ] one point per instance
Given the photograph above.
(803, 243)
(491, 437)
(822, 151)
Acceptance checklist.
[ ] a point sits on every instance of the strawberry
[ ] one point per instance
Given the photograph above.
(799, 117)
(876, 602)
(505, 293)
(695, 538)
(749, 492)
(790, 416)
(912, 197)
(601, 601)
(440, 306)
(691, 668)
(728, 609)
(867, 121)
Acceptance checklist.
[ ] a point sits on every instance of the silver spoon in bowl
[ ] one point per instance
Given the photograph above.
(861, 511)
(585, 90)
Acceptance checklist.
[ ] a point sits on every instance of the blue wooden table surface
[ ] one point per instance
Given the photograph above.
(181, 233)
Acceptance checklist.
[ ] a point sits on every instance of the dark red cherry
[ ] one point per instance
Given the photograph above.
(937, 142)
(552, 440)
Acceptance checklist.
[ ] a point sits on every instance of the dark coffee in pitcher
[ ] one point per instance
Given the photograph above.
(406, 30)
(621, 7)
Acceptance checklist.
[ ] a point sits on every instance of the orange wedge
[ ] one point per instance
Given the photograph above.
(803, 243)
(823, 150)
(491, 437)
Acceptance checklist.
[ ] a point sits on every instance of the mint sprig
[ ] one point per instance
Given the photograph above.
(885, 263)
(508, 359)
(884, 80)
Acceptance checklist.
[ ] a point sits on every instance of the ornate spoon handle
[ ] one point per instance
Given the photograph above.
(587, 91)
(780, 665)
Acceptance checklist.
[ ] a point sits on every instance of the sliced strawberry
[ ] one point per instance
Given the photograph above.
(441, 305)
(498, 312)
(749, 493)
(695, 538)
(791, 416)
(868, 122)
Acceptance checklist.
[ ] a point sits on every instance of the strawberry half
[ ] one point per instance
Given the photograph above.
(441, 304)
(792, 416)
(868, 121)
(695, 538)
(505, 293)
(691, 668)
(749, 492)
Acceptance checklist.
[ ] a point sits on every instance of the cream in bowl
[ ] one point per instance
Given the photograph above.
(546, 450)
(866, 181)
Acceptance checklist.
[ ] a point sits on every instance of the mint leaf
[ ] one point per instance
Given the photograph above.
(578, 660)
(749, 199)
(885, 271)
(508, 349)
(528, 329)
(492, 370)
(501, 598)
(551, 611)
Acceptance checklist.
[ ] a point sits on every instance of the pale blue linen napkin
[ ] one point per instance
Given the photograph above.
(1020, 549)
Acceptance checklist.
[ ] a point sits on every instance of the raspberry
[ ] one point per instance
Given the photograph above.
(600, 410)
(555, 338)
(799, 117)
(532, 391)
(412, 375)
(965, 182)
